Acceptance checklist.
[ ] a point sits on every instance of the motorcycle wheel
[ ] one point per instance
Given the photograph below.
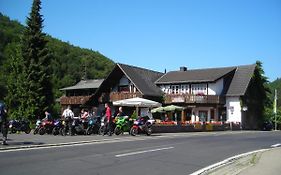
(42, 131)
(13, 130)
(63, 132)
(101, 130)
(55, 131)
(117, 131)
(35, 131)
(89, 131)
(27, 130)
(134, 131)
(149, 131)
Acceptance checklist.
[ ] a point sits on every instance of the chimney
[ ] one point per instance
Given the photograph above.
(183, 69)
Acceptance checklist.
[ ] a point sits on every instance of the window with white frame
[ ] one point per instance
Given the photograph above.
(199, 89)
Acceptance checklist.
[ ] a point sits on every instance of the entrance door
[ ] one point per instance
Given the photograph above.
(203, 116)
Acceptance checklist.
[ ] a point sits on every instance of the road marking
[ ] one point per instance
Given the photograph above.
(141, 152)
(275, 145)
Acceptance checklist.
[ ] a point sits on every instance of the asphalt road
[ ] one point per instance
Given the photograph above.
(172, 154)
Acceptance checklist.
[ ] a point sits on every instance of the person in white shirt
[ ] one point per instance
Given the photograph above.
(68, 116)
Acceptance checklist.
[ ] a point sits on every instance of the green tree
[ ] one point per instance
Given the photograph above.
(16, 82)
(36, 64)
(257, 96)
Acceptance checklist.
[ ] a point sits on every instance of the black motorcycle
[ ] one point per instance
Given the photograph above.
(19, 126)
(78, 127)
(58, 127)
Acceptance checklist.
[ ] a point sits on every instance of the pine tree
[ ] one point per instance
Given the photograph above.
(36, 64)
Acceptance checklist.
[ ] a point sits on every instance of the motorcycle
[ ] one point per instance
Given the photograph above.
(93, 125)
(58, 127)
(103, 130)
(123, 124)
(78, 127)
(38, 125)
(142, 125)
(47, 127)
(19, 125)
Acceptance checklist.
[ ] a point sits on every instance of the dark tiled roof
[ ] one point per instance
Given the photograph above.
(194, 75)
(85, 84)
(143, 79)
(241, 80)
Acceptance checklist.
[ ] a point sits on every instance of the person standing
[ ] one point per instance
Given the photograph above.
(108, 119)
(120, 112)
(3, 122)
(68, 116)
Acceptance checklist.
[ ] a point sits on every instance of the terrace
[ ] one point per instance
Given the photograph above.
(187, 98)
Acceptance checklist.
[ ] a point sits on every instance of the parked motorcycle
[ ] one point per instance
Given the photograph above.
(38, 125)
(47, 127)
(143, 125)
(93, 125)
(19, 125)
(102, 125)
(78, 127)
(123, 124)
(58, 127)
(103, 130)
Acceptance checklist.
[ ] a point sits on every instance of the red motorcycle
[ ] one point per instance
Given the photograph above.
(46, 127)
(142, 125)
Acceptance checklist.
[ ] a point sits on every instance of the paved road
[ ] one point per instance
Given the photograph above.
(179, 153)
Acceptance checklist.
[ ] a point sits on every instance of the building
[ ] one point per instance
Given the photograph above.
(127, 81)
(76, 96)
(213, 94)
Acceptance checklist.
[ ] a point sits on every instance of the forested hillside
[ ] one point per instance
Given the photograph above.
(68, 64)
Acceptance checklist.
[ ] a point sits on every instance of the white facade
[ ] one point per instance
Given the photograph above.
(233, 108)
(215, 88)
(194, 89)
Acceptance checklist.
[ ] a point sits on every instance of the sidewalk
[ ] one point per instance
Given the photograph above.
(259, 163)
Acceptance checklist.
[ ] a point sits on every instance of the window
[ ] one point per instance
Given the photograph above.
(175, 89)
(199, 89)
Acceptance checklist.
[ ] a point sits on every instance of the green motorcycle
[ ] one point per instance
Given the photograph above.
(123, 124)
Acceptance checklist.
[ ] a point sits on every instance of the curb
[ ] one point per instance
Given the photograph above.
(226, 162)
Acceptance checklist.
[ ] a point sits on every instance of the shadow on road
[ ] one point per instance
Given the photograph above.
(22, 143)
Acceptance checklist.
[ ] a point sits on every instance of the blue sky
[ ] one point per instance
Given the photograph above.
(159, 34)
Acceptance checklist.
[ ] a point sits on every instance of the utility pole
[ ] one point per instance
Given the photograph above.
(275, 108)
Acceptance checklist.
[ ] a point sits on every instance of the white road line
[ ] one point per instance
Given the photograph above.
(275, 145)
(141, 152)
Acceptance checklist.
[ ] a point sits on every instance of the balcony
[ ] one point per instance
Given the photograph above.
(74, 100)
(192, 99)
(115, 96)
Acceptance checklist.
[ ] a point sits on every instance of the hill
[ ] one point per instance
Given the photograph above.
(70, 63)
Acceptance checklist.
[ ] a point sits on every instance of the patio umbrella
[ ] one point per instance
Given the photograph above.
(159, 109)
(137, 102)
(173, 108)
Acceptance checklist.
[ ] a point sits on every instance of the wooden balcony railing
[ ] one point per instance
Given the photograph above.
(74, 100)
(187, 98)
(114, 96)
